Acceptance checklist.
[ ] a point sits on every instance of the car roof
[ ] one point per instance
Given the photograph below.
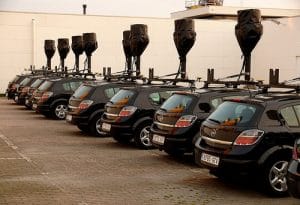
(214, 90)
(150, 87)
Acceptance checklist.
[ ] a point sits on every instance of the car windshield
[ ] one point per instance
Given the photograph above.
(45, 85)
(82, 91)
(122, 97)
(36, 83)
(177, 103)
(235, 114)
(25, 81)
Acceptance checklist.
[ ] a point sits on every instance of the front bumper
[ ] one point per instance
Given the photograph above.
(44, 109)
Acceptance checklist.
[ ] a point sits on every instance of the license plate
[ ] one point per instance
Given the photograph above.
(16, 98)
(69, 118)
(106, 127)
(210, 159)
(158, 139)
(34, 106)
(6, 94)
(26, 101)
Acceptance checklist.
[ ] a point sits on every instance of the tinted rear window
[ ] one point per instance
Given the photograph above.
(45, 85)
(235, 114)
(177, 103)
(36, 83)
(82, 91)
(122, 97)
(25, 81)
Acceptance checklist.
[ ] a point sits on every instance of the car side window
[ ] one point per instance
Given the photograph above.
(216, 102)
(109, 92)
(289, 116)
(66, 86)
(155, 98)
(75, 85)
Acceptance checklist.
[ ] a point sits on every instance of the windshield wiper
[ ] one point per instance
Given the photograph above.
(214, 120)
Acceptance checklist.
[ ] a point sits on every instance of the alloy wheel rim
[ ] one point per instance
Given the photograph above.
(98, 126)
(145, 137)
(277, 176)
(60, 111)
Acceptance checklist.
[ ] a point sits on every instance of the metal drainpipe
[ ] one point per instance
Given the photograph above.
(33, 41)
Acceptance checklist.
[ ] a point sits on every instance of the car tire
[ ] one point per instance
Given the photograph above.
(95, 125)
(274, 173)
(142, 136)
(83, 128)
(59, 111)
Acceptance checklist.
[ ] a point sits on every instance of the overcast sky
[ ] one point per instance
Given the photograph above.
(145, 8)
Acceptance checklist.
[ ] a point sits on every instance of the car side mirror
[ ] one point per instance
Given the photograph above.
(205, 107)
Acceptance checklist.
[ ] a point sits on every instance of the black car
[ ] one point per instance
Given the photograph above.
(33, 87)
(23, 89)
(252, 135)
(13, 86)
(129, 114)
(176, 123)
(51, 98)
(293, 175)
(86, 105)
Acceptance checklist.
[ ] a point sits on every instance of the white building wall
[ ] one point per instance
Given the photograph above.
(216, 47)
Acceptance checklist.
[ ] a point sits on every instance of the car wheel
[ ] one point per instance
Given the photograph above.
(274, 175)
(83, 128)
(60, 110)
(95, 126)
(142, 136)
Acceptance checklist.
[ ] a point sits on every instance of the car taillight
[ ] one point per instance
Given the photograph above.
(296, 151)
(25, 89)
(46, 96)
(127, 111)
(185, 121)
(248, 137)
(85, 104)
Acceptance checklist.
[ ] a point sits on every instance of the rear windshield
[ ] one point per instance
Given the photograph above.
(36, 83)
(45, 85)
(25, 81)
(82, 91)
(235, 114)
(122, 97)
(16, 78)
(177, 103)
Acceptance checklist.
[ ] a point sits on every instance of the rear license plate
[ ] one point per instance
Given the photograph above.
(69, 118)
(16, 98)
(106, 127)
(210, 159)
(34, 106)
(6, 94)
(26, 101)
(158, 139)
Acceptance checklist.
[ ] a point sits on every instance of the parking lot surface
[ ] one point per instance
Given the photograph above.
(43, 161)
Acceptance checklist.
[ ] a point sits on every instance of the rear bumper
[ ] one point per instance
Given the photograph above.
(120, 130)
(77, 119)
(293, 178)
(230, 163)
(177, 143)
(43, 109)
